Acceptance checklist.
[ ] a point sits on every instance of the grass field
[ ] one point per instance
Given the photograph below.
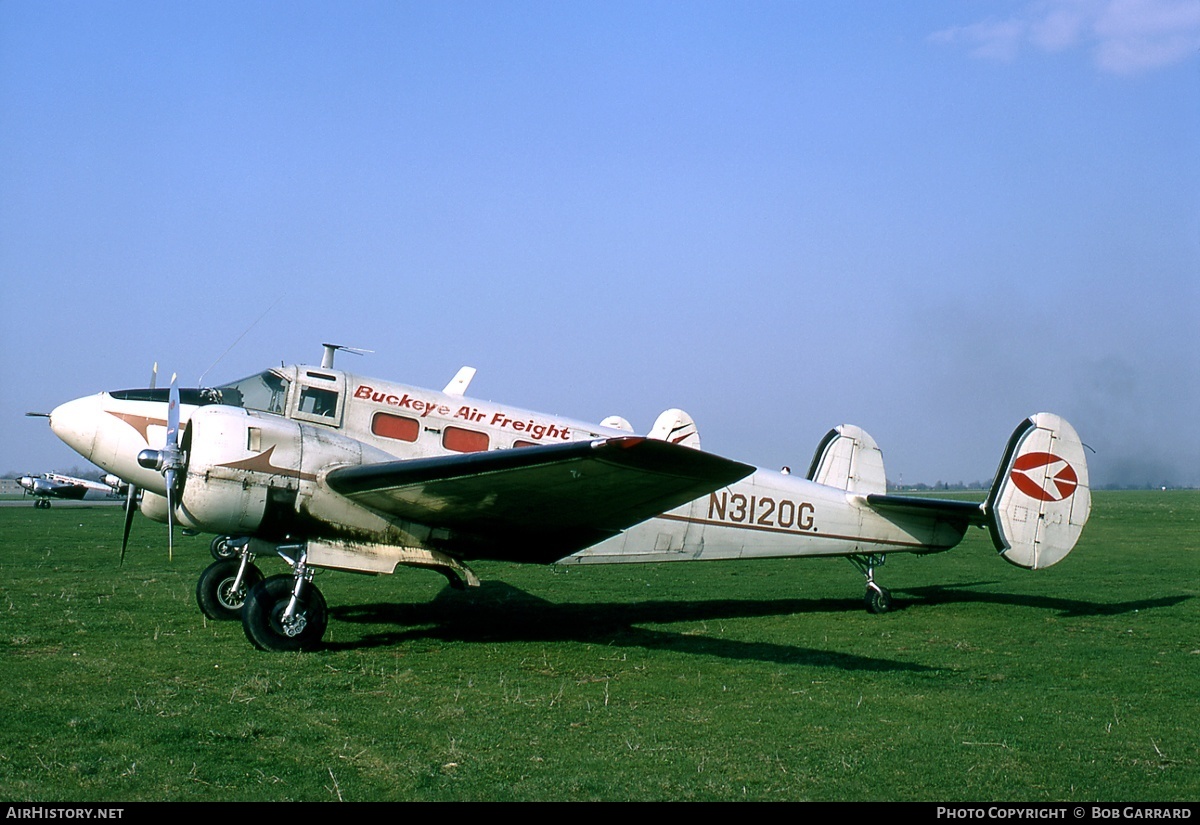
(720, 681)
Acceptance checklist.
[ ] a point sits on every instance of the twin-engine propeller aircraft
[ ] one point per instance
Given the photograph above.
(45, 487)
(333, 470)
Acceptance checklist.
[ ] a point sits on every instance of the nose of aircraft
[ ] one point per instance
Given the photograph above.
(76, 423)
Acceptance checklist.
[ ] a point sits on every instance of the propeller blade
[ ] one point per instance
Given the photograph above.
(170, 477)
(130, 504)
(170, 461)
(173, 416)
(173, 463)
(154, 375)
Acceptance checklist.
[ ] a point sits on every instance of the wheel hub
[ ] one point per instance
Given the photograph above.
(294, 626)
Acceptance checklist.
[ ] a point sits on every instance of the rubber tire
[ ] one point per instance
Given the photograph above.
(219, 548)
(265, 605)
(213, 590)
(878, 601)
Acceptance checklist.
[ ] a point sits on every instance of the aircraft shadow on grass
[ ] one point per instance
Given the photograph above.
(963, 593)
(498, 612)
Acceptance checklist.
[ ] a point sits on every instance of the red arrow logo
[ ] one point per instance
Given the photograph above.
(1056, 482)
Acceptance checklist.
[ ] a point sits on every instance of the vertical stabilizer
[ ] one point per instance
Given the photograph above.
(849, 459)
(677, 427)
(1040, 497)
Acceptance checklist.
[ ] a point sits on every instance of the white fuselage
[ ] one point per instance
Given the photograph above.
(767, 514)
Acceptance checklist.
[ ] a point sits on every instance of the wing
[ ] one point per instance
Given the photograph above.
(538, 503)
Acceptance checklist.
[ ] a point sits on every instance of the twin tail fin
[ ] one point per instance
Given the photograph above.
(1040, 498)
(1036, 508)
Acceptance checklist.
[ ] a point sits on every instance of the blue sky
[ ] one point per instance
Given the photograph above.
(926, 219)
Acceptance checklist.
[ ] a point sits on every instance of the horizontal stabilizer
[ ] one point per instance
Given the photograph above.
(969, 513)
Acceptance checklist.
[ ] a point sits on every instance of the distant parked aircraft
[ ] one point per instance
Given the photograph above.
(48, 486)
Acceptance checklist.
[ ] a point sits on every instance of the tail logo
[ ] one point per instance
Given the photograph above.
(1054, 483)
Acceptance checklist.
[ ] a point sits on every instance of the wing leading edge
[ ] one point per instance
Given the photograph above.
(538, 503)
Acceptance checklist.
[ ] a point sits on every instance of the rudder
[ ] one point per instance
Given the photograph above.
(677, 427)
(849, 459)
(1040, 498)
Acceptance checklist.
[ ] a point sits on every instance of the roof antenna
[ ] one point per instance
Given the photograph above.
(200, 383)
(330, 349)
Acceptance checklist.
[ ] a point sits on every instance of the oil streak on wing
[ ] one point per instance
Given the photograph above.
(539, 503)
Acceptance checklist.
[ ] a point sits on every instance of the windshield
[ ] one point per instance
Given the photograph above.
(265, 391)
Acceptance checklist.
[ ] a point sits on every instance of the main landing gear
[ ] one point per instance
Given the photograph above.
(877, 598)
(280, 613)
(286, 612)
(225, 584)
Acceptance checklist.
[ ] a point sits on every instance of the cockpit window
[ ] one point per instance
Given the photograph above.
(266, 391)
(187, 395)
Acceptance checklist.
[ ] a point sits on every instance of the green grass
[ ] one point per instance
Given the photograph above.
(721, 681)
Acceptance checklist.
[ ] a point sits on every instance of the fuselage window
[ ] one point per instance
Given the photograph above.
(395, 426)
(519, 443)
(315, 401)
(464, 441)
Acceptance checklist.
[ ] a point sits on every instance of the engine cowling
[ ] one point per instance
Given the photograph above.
(246, 470)
(234, 462)
(153, 506)
(40, 486)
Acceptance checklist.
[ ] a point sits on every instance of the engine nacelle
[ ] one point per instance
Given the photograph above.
(153, 506)
(246, 470)
(39, 486)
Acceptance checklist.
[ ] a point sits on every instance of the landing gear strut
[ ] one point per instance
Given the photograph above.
(224, 585)
(286, 612)
(877, 598)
